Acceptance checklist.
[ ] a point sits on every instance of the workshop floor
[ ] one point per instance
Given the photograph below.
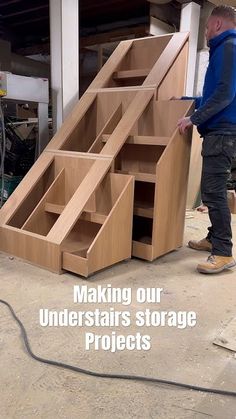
(30, 389)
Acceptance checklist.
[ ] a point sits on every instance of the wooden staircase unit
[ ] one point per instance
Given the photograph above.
(112, 182)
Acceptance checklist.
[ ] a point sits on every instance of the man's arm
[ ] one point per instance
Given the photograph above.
(197, 100)
(225, 90)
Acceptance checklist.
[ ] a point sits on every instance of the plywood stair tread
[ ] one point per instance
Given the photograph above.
(142, 139)
(141, 177)
(131, 74)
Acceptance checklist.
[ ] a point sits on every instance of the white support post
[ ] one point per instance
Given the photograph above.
(64, 35)
(190, 18)
(42, 127)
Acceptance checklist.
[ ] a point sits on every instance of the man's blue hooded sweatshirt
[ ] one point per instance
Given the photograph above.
(216, 109)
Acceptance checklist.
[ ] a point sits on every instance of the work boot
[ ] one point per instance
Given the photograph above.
(216, 264)
(203, 244)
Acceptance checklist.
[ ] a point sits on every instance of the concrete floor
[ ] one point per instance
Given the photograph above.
(30, 389)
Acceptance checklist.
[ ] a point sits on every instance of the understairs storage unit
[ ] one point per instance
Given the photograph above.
(113, 181)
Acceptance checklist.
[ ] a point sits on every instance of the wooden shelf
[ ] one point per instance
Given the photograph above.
(54, 208)
(143, 211)
(95, 217)
(86, 215)
(131, 74)
(142, 139)
(141, 177)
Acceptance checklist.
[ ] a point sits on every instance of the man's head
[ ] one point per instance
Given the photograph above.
(221, 19)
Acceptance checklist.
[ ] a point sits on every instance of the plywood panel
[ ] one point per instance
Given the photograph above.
(175, 80)
(30, 190)
(171, 194)
(166, 60)
(27, 246)
(195, 170)
(113, 242)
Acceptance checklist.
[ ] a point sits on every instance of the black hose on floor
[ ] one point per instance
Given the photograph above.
(104, 375)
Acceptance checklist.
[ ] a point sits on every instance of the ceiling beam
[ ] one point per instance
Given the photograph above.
(43, 49)
(111, 36)
(21, 12)
(22, 22)
(87, 41)
(9, 2)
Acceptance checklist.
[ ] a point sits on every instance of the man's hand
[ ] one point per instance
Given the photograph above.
(184, 124)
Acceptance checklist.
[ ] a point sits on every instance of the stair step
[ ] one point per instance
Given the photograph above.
(142, 177)
(141, 139)
(131, 74)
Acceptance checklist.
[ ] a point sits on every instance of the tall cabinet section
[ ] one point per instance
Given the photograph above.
(113, 181)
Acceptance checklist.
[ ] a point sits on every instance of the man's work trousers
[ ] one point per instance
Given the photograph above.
(218, 152)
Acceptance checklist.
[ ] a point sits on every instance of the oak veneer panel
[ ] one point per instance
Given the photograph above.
(106, 72)
(175, 80)
(76, 205)
(70, 215)
(54, 208)
(108, 101)
(30, 247)
(195, 170)
(171, 194)
(142, 139)
(143, 211)
(165, 116)
(144, 53)
(139, 158)
(131, 74)
(78, 154)
(142, 250)
(112, 122)
(84, 132)
(109, 191)
(80, 237)
(94, 217)
(69, 126)
(131, 116)
(141, 177)
(40, 221)
(166, 60)
(20, 204)
(113, 242)
(73, 262)
(89, 248)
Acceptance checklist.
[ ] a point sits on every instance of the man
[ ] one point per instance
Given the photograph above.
(215, 119)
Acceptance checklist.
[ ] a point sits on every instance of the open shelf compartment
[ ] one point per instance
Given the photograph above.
(92, 246)
(138, 62)
(64, 175)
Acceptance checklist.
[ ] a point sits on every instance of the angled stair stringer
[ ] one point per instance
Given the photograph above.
(69, 207)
